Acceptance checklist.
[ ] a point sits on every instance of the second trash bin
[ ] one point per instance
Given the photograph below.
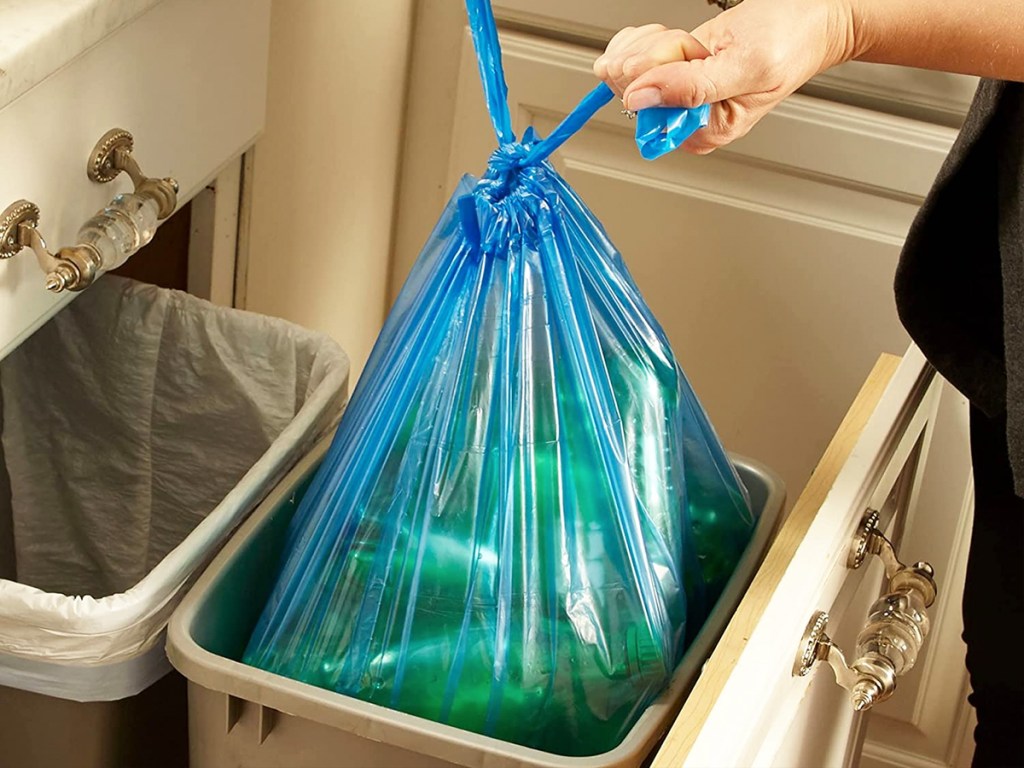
(139, 427)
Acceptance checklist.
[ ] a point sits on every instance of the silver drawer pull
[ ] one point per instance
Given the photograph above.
(896, 627)
(106, 240)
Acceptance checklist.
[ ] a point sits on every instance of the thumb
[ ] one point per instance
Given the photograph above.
(689, 83)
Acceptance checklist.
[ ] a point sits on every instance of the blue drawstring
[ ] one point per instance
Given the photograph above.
(575, 120)
(488, 56)
(658, 130)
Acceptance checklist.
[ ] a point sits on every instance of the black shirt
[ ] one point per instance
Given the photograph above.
(960, 281)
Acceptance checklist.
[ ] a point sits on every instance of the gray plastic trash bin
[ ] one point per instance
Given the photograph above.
(138, 429)
(246, 717)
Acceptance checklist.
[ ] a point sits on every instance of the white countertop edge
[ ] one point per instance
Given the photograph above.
(38, 37)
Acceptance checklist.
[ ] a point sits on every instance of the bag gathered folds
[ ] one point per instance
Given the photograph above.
(525, 515)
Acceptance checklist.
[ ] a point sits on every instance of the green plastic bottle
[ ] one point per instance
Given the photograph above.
(526, 623)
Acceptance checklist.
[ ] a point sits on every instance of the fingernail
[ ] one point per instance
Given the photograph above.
(643, 99)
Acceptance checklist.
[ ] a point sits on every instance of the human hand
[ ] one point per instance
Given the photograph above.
(744, 62)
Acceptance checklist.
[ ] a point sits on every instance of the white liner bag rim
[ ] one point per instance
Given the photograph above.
(45, 636)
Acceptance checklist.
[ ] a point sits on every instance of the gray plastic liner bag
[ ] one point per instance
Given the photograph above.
(139, 427)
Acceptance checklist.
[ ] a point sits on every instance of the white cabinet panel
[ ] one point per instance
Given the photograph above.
(187, 78)
(747, 708)
(327, 167)
(38, 37)
(930, 721)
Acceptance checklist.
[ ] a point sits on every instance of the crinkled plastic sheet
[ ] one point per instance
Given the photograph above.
(525, 515)
(139, 427)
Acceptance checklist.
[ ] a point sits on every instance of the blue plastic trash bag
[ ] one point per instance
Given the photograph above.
(525, 515)
(659, 130)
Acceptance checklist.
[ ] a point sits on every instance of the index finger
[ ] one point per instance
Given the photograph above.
(664, 48)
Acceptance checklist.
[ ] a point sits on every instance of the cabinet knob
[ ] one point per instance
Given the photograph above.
(894, 633)
(108, 239)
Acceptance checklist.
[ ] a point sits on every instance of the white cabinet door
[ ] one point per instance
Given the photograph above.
(748, 708)
(186, 77)
(930, 722)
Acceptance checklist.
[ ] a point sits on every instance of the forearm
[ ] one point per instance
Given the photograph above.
(976, 37)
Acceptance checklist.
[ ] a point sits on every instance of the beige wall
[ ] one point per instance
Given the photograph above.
(325, 169)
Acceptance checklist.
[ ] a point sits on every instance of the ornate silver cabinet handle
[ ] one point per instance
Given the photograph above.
(896, 627)
(106, 240)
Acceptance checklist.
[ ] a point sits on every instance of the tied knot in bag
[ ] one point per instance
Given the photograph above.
(509, 158)
(509, 165)
(515, 164)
